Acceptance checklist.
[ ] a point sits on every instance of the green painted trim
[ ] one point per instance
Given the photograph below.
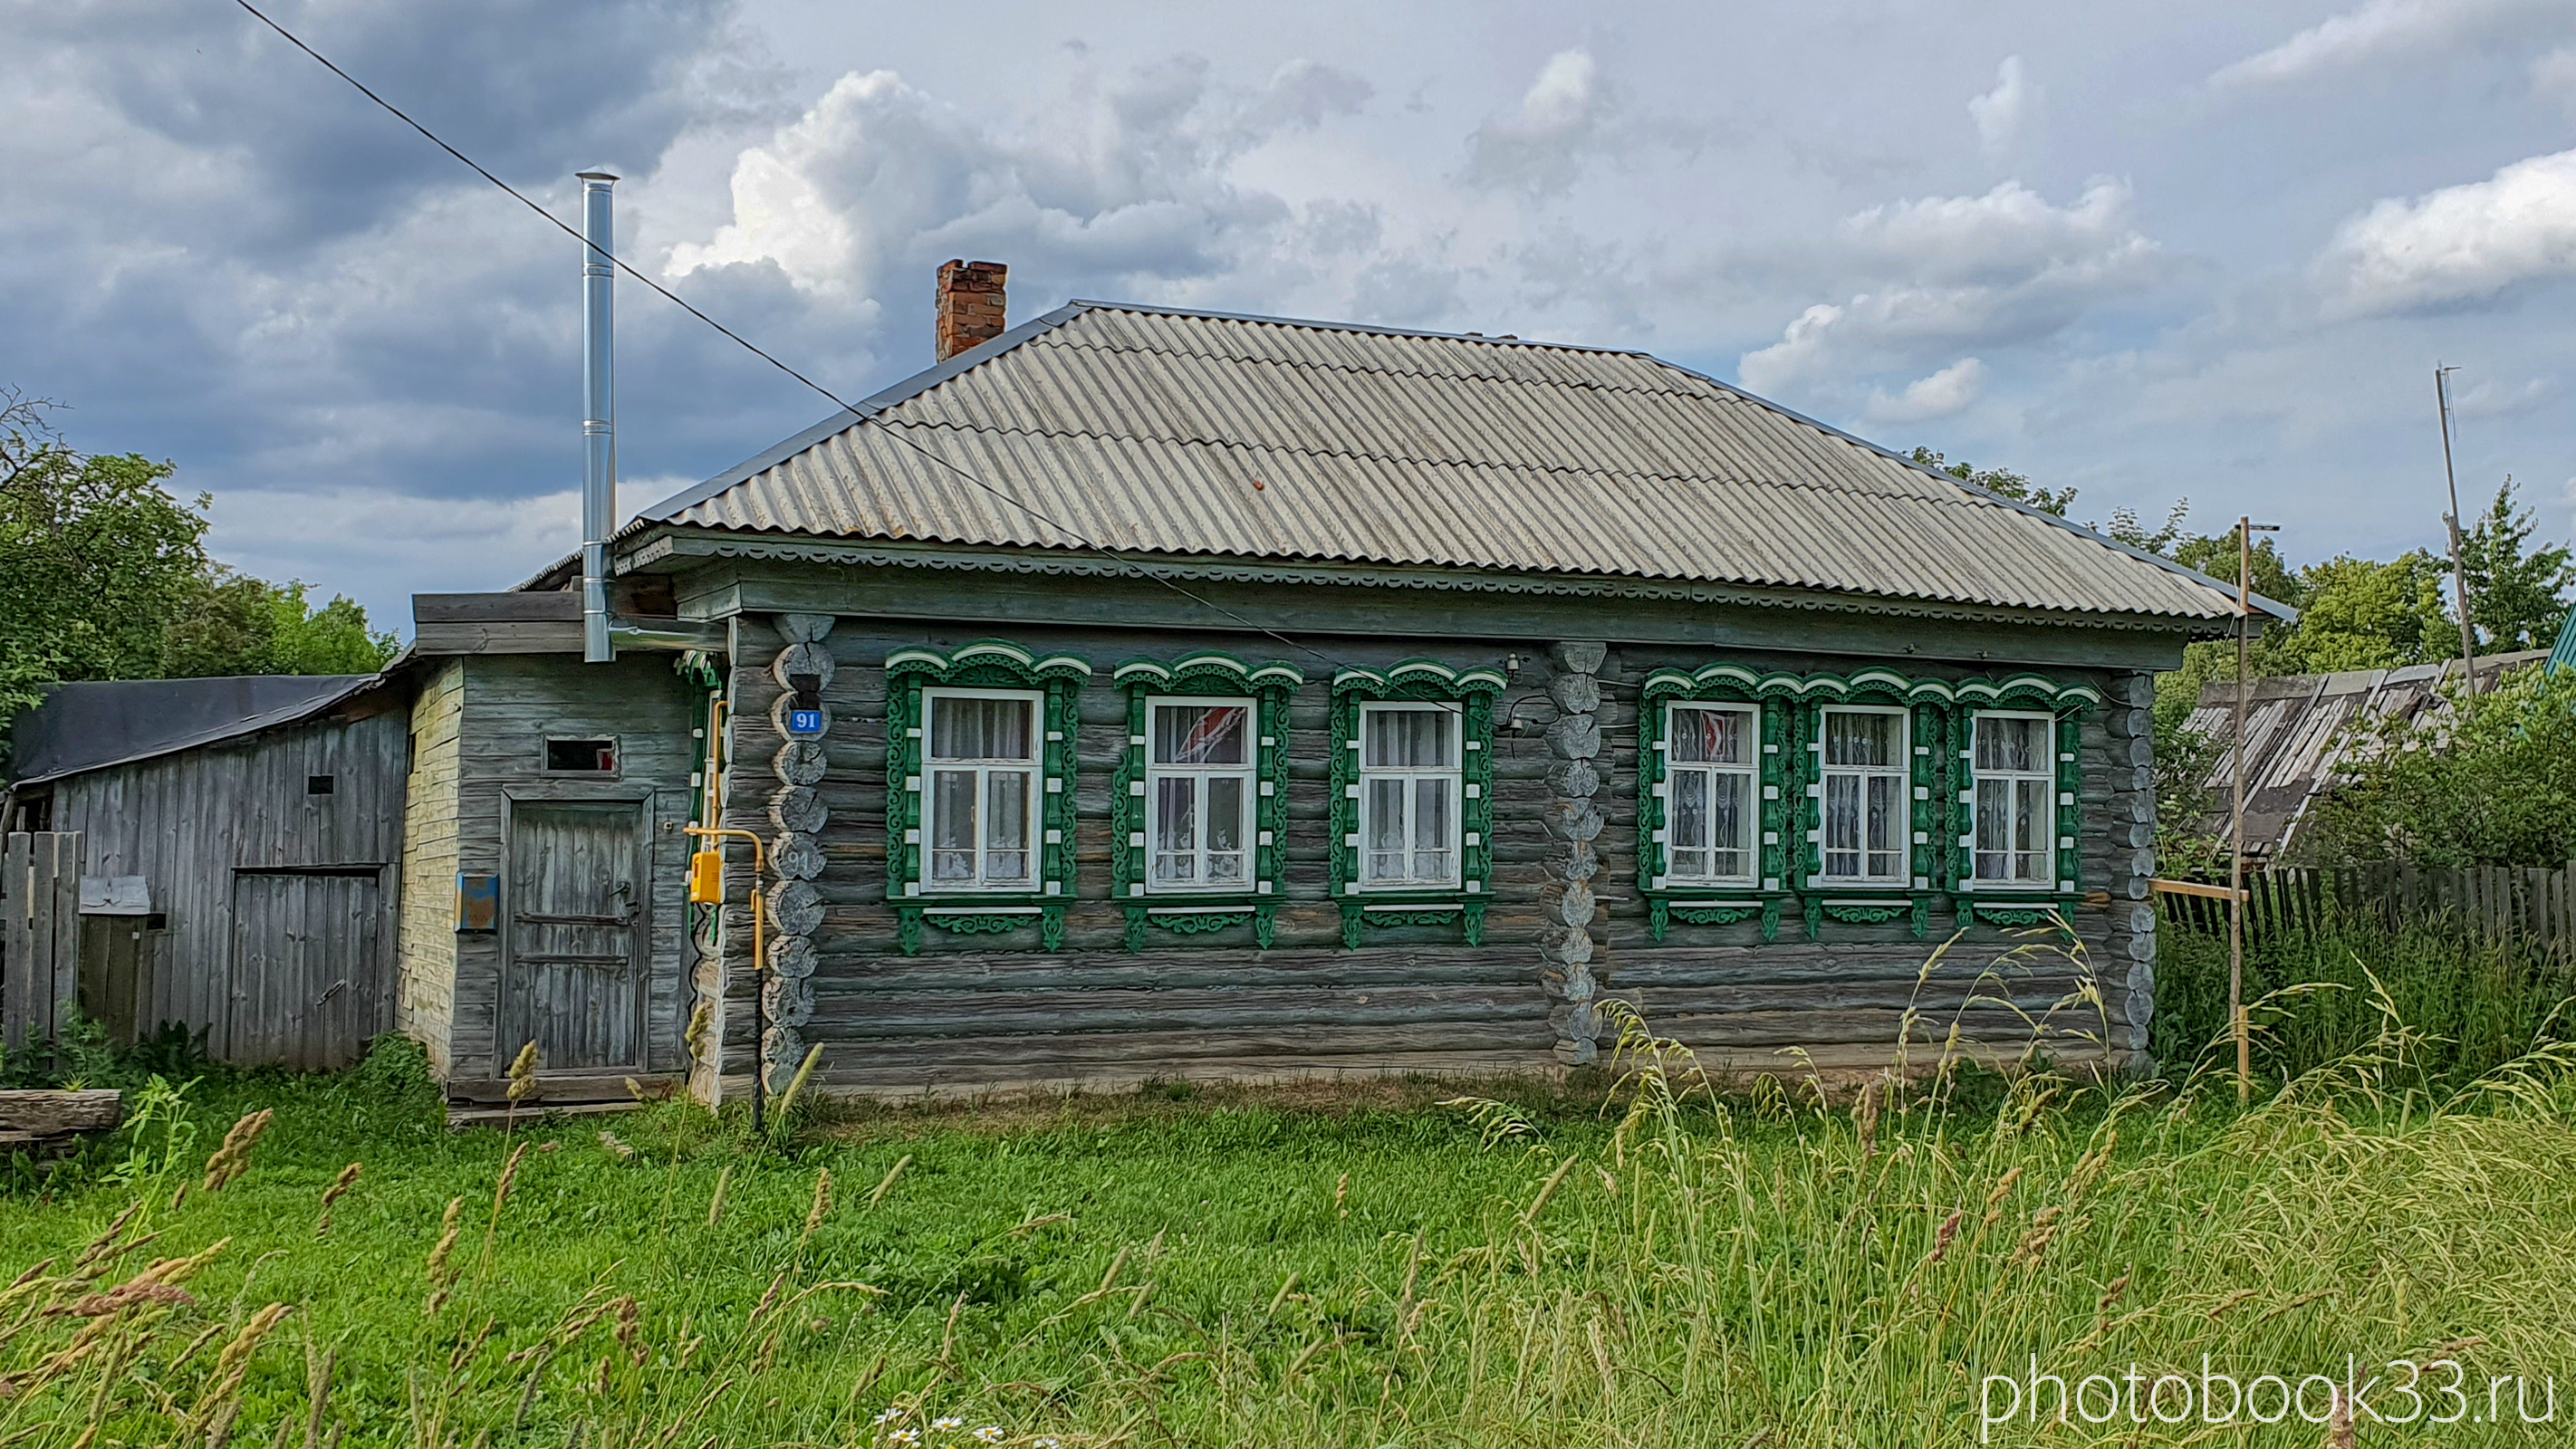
(1207, 675)
(1426, 680)
(1248, 677)
(964, 920)
(2067, 850)
(1654, 768)
(1873, 685)
(986, 664)
(1458, 682)
(998, 652)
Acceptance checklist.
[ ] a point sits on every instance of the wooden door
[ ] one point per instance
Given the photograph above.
(573, 980)
(303, 970)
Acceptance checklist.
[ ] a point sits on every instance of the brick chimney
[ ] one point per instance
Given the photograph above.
(971, 305)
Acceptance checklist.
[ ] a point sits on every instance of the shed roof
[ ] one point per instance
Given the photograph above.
(2300, 729)
(1159, 431)
(91, 725)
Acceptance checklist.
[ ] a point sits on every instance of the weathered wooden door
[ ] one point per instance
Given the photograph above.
(573, 982)
(303, 969)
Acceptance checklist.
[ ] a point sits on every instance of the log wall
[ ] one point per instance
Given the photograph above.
(982, 1011)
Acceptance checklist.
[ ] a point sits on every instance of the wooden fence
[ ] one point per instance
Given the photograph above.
(39, 935)
(2521, 907)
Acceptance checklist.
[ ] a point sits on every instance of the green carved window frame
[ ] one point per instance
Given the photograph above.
(1201, 912)
(1998, 903)
(1668, 901)
(1473, 692)
(1058, 680)
(1939, 714)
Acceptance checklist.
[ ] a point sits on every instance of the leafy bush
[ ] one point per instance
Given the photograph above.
(2488, 780)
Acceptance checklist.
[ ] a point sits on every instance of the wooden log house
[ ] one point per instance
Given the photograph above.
(1142, 693)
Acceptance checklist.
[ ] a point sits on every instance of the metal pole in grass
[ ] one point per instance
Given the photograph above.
(706, 887)
(2245, 527)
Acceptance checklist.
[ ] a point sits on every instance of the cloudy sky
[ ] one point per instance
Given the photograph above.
(2188, 248)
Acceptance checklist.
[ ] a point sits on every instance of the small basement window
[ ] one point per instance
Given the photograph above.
(318, 784)
(581, 757)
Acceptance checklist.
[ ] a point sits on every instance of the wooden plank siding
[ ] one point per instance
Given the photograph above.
(193, 824)
(984, 1011)
(508, 706)
(39, 935)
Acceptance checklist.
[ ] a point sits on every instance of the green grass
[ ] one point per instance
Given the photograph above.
(1240, 1268)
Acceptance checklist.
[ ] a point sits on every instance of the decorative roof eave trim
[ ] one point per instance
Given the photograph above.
(1421, 671)
(1211, 661)
(669, 542)
(1866, 683)
(988, 651)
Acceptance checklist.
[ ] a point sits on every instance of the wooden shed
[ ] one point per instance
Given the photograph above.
(238, 841)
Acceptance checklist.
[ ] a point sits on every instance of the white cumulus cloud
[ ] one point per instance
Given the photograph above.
(1127, 180)
(2003, 114)
(1949, 273)
(2379, 30)
(2463, 243)
(1943, 393)
(1540, 145)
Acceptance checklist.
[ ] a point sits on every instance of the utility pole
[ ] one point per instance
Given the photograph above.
(2245, 530)
(2459, 564)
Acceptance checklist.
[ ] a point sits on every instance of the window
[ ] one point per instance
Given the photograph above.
(1865, 813)
(1199, 780)
(2016, 800)
(581, 757)
(319, 784)
(981, 758)
(1409, 790)
(1713, 793)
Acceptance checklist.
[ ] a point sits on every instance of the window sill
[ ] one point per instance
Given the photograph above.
(961, 913)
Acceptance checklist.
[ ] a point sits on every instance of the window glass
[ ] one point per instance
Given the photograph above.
(1202, 734)
(981, 799)
(1410, 786)
(1710, 789)
(1410, 739)
(969, 727)
(2015, 800)
(1855, 738)
(1864, 805)
(1199, 773)
(1710, 736)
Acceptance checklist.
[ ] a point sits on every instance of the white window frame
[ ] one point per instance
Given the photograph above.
(1455, 773)
(1034, 813)
(1901, 770)
(1248, 830)
(2042, 780)
(1751, 771)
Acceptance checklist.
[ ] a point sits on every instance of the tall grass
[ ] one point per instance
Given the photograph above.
(2322, 995)
(1678, 1268)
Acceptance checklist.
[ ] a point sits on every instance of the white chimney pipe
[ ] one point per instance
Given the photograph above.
(598, 412)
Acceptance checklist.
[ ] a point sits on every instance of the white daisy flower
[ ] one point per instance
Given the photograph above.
(990, 1433)
(944, 1425)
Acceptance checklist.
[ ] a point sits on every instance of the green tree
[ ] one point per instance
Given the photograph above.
(2359, 613)
(104, 575)
(2002, 482)
(96, 557)
(2487, 779)
(2515, 591)
(237, 624)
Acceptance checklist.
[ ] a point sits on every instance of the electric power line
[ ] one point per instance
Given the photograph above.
(747, 345)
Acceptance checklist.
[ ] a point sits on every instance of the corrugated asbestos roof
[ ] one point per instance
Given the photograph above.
(1153, 431)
